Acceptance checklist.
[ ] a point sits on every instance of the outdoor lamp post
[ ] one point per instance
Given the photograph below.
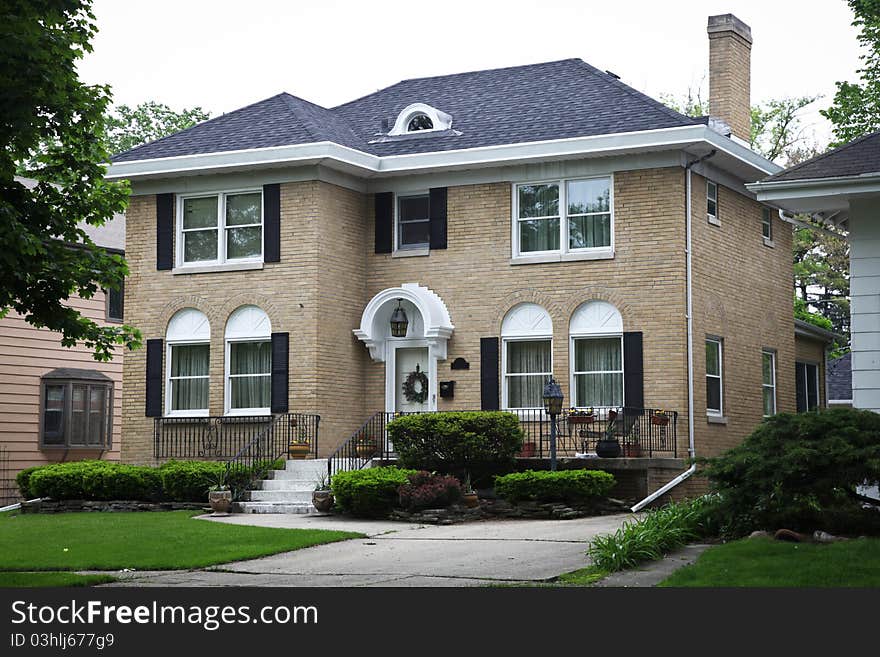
(399, 322)
(553, 407)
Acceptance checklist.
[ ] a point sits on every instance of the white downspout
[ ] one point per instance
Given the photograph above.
(690, 341)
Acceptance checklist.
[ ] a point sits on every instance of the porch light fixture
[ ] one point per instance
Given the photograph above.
(399, 321)
(553, 407)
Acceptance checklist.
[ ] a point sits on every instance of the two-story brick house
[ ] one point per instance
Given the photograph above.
(529, 221)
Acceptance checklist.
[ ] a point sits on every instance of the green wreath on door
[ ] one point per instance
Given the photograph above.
(409, 387)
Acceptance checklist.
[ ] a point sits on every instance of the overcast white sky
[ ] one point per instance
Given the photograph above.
(224, 54)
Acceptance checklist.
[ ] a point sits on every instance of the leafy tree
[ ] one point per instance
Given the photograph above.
(50, 119)
(855, 110)
(128, 127)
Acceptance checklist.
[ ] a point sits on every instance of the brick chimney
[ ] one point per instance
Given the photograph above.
(730, 60)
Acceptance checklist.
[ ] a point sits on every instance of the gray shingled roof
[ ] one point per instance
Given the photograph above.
(839, 377)
(554, 100)
(856, 158)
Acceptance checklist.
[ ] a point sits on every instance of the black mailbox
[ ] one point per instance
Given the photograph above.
(447, 389)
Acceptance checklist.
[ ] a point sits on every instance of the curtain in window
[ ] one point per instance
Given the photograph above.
(200, 229)
(244, 229)
(538, 201)
(769, 387)
(528, 366)
(189, 377)
(250, 369)
(589, 213)
(598, 368)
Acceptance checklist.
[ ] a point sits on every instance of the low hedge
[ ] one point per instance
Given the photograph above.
(188, 481)
(22, 480)
(571, 486)
(369, 493)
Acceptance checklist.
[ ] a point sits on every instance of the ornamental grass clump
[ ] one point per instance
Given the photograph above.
(427, 490)
(658, 532)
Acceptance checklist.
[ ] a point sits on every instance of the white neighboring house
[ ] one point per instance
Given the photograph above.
(843, 186)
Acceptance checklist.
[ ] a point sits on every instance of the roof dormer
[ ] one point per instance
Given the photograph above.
(420, 117)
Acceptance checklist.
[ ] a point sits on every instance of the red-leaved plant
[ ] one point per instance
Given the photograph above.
(427, 490)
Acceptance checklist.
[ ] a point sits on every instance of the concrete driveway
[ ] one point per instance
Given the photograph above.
(400, 554)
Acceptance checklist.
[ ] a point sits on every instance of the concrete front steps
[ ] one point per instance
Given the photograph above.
(288, 491)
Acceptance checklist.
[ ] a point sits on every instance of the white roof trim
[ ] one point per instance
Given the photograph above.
(440, 120)
(367, 165)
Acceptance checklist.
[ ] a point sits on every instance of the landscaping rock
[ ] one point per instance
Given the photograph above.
(791, 536)
(760, 534)
(62, 506)
(824, 537)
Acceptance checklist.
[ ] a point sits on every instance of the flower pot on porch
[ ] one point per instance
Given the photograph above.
(220, 501)
(528, 450)
(365, 449)
(632, 450)
(298, 450)
(581, 419)
(661, 420)
(322, 500)
(607, 449)
(470, 500)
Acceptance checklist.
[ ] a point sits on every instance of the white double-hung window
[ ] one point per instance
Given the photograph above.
(564, 217)
(220, 228)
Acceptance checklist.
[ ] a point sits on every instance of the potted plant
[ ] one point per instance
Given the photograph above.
(632, 448)
(528, 449)
(365, 446)
(299, 447)
(659, 417)
(608, 447)
(468, 495)
(322, 496)
(220, 495)
(581, 416)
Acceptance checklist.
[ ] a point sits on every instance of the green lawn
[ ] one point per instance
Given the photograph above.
(583, 577)
(143, 541)
(765, 562)
(20, 580)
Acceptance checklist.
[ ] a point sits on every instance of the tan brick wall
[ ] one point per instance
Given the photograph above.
(813, 351)
(742, 294)
(730, 81)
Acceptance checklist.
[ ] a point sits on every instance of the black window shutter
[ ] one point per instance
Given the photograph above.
(154, 378)
(633, 371)
(280, 350)
(438, 217)
(384, 205)
(272, 223)
(164, 231)
(489, 374)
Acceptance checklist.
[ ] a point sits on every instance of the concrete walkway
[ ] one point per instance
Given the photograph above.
(400, 554)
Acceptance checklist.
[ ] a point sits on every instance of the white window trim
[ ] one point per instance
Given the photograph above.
(572, 373)
(712, 218)
(720, 376)
(504, 391)
(817, 365)
(768, 239)
(411, 249)
(221, 228)
(564, 253)
(201, 412)
(439, 119)
(227, 380)
(772, 384)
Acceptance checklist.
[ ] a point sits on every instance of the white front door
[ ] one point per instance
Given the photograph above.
(413, 389)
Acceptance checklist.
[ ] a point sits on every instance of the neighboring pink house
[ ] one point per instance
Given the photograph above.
(58, 403)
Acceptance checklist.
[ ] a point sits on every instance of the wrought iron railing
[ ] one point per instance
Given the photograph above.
(258, 456)
(641, 432)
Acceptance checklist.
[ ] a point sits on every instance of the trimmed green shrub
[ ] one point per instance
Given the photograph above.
(369, 493)
(572, 486)
(800, 472)
(427, 490)
(22, 480)
(479, 443)
(96, 480)
(652, 536)
(188, 481)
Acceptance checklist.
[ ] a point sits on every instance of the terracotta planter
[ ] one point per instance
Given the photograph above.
(581, 419)
(298, 451)
(633, 451)
(365, 450)
(528, 450)
(662, 420)
(220, 501)
(470, 500)
(322, 500)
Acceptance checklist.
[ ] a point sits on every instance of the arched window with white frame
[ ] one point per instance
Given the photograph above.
(596, 358)
(188, 359)
(527, 356)
(248, 362)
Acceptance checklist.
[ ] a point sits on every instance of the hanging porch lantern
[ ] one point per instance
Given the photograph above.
(399, 322)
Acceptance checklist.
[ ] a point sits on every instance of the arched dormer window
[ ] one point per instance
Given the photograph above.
(248, 362)
(188, 340)
(420, 117)
(596, 331)
(527, 335)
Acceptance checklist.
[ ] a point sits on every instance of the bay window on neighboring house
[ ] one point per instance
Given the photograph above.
(76, 409)
(527, 358)
(565, 219)
(806, 386)
(768, 370)
(220, 228)
(596, 332)
(714, 377)
(248, 362)
(188, 363)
